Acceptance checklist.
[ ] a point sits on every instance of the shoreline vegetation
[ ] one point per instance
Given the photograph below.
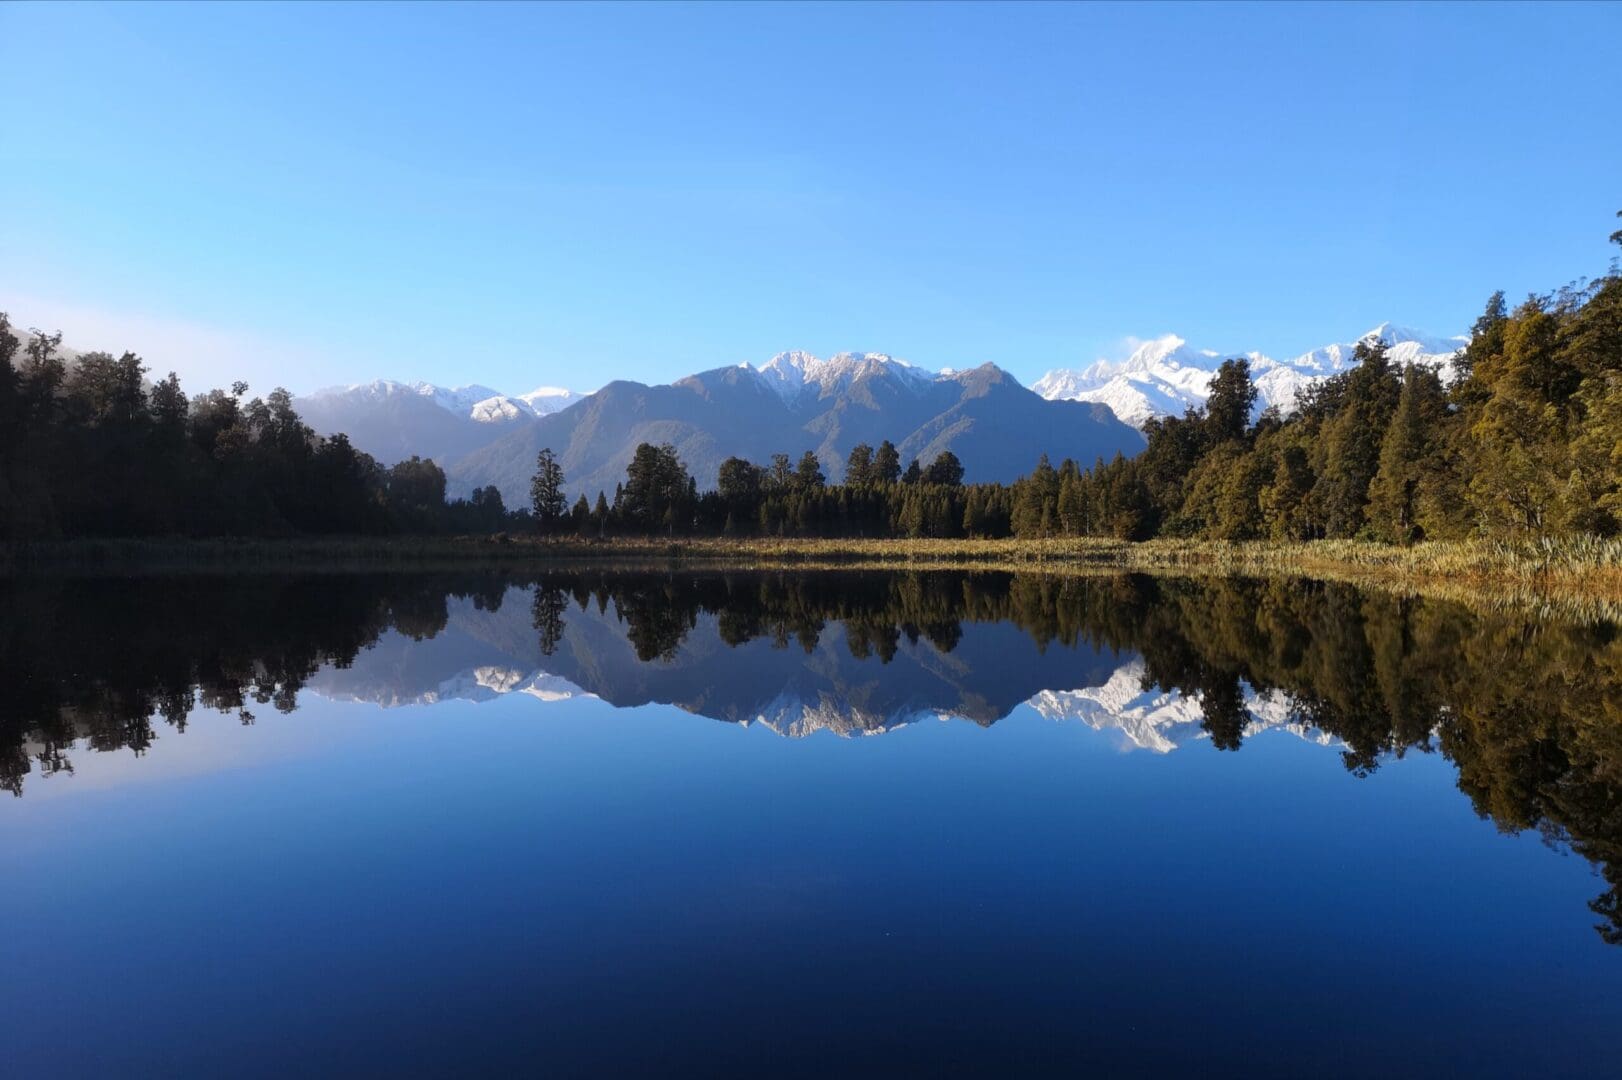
(1504, 477)
(1580, 576)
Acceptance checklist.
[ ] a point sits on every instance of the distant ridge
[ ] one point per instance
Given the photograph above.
(796, 401)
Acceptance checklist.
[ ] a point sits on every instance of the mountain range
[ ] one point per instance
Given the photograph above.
(796, 402)
(1165, 376)
(394, 420)
(489, 651)
(793, 403)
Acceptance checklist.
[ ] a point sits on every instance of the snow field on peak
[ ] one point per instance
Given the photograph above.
(1164, 376)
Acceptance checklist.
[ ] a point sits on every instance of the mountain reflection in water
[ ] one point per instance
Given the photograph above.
(1528, 711)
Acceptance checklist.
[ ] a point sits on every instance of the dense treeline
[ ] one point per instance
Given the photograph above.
(1527, 709)
(95, 449)
(787, 497)
(1525, 439)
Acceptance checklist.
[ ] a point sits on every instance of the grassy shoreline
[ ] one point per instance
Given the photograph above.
(1594, 566)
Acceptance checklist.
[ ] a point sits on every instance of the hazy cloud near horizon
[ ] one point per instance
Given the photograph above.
(203, 356)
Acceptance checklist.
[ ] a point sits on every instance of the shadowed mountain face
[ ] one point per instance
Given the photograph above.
(794, 403)
(997, 427)
(710, 655)
(393, 421)
(1525, 709)
(393, 426)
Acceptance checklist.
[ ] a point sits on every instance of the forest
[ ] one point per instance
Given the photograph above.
(94, 449)
(1522, 440)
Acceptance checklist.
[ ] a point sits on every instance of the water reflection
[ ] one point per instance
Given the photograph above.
(1528, 711)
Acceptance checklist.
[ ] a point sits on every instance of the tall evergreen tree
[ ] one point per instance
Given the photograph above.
(945, 470)
(1394, 492)
(1352, 440)
(1227, 409)
(886, 463)
(859, 465)
(808, 474)
(546, 497)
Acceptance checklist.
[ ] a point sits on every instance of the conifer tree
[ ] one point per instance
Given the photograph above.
(546, 496)
(1394, 491)
(859, 465)
(1071, 511)
(886, 463)
(1352, 440)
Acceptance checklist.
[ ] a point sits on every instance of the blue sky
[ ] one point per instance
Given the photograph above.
(561, 195)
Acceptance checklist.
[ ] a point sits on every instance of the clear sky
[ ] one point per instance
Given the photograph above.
(560, 195)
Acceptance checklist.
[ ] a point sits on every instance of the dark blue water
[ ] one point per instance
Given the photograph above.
(458, 851)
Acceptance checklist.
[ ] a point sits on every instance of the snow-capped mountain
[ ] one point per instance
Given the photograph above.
(795, 402)
(394, 420)
(474, 402)
(484, 683)
(792, 374)
(1162, 720)
(1165, 376)
(545, 400)
(789, 404)
(491, 653)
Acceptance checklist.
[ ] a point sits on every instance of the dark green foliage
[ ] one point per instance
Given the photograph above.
(808, 474)
(945, 470)
(1525, 441)
(546, 498)
(886, 463)
(92, 449)
(1227, 410)
(859, 466)
(658, 495)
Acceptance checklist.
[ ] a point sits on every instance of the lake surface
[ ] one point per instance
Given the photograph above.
(615, 823)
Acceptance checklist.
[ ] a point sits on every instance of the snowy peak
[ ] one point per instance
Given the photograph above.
(1393, 336)
(544, 400)
(1165, 376)
(480, 404)
(458, 399)
(1169, 351)
(500, 409)
(1162, 721)
(1164, 358)
(791, 374)
(1406, 346)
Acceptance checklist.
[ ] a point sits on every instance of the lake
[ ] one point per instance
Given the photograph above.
(618, 822)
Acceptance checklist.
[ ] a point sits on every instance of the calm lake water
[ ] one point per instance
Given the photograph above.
(621, 823)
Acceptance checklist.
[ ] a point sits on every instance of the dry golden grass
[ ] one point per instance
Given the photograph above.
(1580, 577)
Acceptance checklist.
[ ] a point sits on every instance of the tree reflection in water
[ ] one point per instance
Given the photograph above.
(1529, 711)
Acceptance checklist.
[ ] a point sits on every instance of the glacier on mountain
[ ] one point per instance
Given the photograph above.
(1166, 375)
